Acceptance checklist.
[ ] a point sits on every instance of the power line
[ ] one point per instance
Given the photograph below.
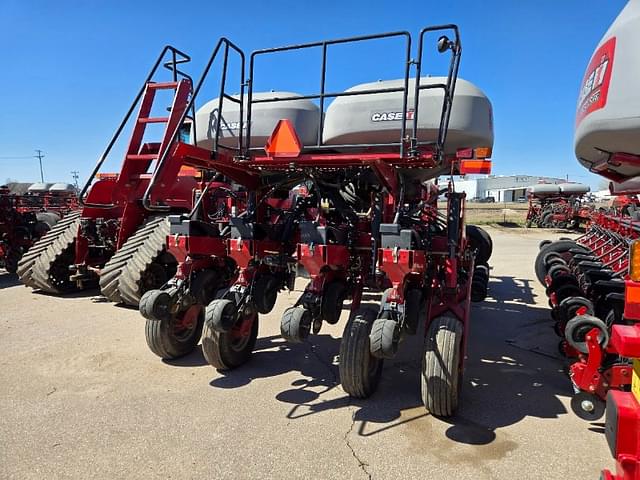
(15, 158)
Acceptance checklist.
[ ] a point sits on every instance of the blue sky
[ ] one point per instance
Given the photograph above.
(71, 68)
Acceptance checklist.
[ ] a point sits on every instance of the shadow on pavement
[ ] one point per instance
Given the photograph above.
(193, 359)
(510, 289)
(513, 371)
(8, 280)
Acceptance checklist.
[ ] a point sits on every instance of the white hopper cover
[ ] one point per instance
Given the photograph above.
(39, 187)
(61, 187)
(303, 114)
(542, 190)
(376, 118)
(574, 188)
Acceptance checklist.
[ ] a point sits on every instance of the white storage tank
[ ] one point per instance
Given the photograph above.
(543, 190)
(39, 187)
(303, 114)
(61, 188)
(377, 118)
(574, 188)
(608, 111)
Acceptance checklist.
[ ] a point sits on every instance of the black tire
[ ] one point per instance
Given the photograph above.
(221, 315)
(546, 220)
(557, 270)
(550, 256)
(295, 324)
(169, 342)
(155, 305)
(414, 309)
(481, 242)
(265, 293)
(441, 372)
(561, 246)
(333, 298)
(570, 305)
(359, 371)
(578, 327)
(587, 406)
(567, 290)
(224, 351)
(384, 338)
(543, 244)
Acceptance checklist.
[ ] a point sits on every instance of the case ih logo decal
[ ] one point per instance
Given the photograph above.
(390, 116)
(595, 85)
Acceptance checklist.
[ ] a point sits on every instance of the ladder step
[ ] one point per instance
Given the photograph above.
(144, 156)
(162, 85)
(153, 120)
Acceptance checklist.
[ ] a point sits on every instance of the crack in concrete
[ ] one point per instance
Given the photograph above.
(331, 369)
(361, 463)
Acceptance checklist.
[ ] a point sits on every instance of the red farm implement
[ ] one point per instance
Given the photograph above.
(118, 238)
(356, 211)
(24, 219)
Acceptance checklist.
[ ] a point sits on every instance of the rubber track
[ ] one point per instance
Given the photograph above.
(121, 274)
(44, 249)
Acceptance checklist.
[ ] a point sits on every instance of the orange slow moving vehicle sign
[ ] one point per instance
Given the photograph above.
(595, 85)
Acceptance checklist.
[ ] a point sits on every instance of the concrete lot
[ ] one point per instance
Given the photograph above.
(83, 397)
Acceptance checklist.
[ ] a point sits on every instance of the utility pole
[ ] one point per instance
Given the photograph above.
(75, 175)
(40, 156)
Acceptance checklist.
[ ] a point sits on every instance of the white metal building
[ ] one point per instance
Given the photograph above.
(503, 188)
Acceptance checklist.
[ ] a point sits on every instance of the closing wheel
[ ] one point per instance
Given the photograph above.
(221, 315)
(588, 406)
(295, 324)
(414, 309)
(557, 270)
(228, 350)
(572, 306)
(384, 337)
(265, 293)
(332, 300)
(544, 243)
(562, 247)
(567, 290)
(441, 366)
(156, 304)
(359, 370)
(175, 335)
(578, 327)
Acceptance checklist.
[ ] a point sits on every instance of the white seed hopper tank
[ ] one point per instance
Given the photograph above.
(377, 118)
(61, 188)
(608, 112)
(39, 187)
(303, 114)
(574, 188)
(543, 190)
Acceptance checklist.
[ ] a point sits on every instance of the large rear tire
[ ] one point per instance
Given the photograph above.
(359, 370)
(228, 350)
(175, 336)
(441, 366)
